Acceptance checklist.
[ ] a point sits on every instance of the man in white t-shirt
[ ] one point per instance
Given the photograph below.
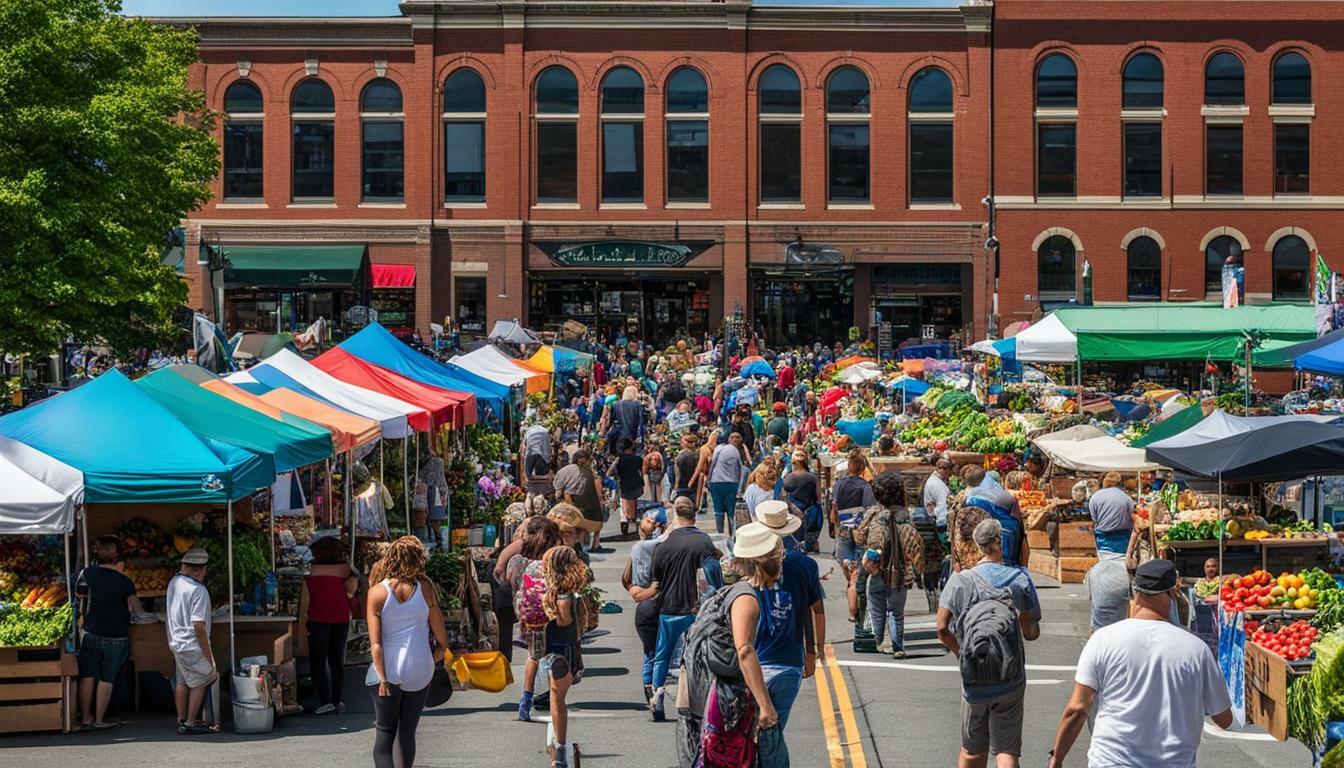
(188, 614)
(1152, 682)
(936, 491)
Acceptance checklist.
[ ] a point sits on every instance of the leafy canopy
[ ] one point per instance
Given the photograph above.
(103, 149)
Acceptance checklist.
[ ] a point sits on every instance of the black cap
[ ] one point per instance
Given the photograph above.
(1155, 577)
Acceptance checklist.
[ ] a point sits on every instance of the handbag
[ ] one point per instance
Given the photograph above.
(482, 670)
(441, 685)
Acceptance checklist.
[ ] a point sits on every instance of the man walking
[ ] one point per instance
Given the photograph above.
(537, 449)
(676, 567)
(577, 484)
(1112, 512)
(1136, 668)
(985, 613)
(936, 491)
(188, 614)
(106, 644)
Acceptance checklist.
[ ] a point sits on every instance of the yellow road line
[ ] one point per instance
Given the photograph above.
(852, 737)
(828, 726)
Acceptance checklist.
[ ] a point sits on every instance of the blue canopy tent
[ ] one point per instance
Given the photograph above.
(757, 368)
(1328, 360)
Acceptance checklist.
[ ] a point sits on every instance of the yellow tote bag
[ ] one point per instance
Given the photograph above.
(483, 670)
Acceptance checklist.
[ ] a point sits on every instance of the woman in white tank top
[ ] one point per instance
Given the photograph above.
(403, 611)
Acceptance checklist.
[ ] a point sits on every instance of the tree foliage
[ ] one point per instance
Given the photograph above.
(103, 149)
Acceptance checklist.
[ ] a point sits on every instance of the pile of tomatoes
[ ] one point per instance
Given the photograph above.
(1292, 641)
(1244, 592)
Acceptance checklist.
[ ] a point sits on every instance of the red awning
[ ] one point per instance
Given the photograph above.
(393, 275)
(445, 406)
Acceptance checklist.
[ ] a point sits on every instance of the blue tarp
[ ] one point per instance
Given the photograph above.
(374, 344)
(1007, 348)
(1328, 359)
(912, 387)
(132, 450)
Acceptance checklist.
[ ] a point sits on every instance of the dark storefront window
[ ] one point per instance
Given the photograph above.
(1292, 268)
(1292, 79)
(469, 293)
(395, 306)
(656, 307)
(384, 169)
(557, 162)
(623, 162)
(1292, 159)
(1145, 269)
(795, 311)
(1143, 159)
(313, 111)
(781, 163)
(464, 137)
(1056, 160)
(243, 142)
(1056, 266)
(1223, 171)
(1224, 80)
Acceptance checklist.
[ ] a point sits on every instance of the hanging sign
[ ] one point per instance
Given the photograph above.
(622, 253)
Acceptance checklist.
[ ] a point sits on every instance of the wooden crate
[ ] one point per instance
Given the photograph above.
(1066, 570)
(1038, 539)
(37, 689)
(1075, 536)
(1268, 676)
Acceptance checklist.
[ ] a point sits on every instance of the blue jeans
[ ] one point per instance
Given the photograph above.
(670, 630)
(771, 751)
(886, 606)
(724, 497)
(783, 683)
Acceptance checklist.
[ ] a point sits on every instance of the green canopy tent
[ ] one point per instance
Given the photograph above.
(1171, 426)
(1197, 331)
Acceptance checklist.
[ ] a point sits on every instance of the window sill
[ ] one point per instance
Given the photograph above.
(622, 207)
(1142, 115)
(1229, 114)
(555, 207)
(780, 207)
(465, 204)
(240, 206)
(849, 206)
(935, 206)
(1047, 115)
(312, 205)
(687, 206)
(382, 205)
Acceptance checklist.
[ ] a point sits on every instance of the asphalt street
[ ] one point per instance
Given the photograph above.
(862, 710)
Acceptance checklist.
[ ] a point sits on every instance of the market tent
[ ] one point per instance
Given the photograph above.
(392, 414)
(1283, 355)
(537, 375)
(132, 450)
(561, 361)
(996, 347)
(849, 360)
(498, 367)
(1328, 359)
(445, 408)
(1048, 341)
(511, 332)
(40, 493)
(1221, 424)
(911, 387)
(347, 430)
(1203, 331)
(1171, 426)
(1085, 448)
(290, 446)
(377, 345)
(1285, 450)
(859, 373)
(757, 368)
(255, 346)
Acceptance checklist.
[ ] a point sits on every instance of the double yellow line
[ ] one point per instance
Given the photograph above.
(842, 707)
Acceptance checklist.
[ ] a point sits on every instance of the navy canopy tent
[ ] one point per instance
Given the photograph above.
(1284, 450)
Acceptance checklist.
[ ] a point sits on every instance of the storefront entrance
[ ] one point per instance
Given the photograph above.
(797, 309)
(655, 307)
(275, 311)
(921, 301)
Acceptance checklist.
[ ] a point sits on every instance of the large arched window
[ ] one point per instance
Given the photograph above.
(384, 146)
(557, 116)
(1216, 254)
(1057, 127)
(313, 113)
(847, 114)
(622, 136)
(1292, 269)
(1056, 275)
(464, 137)
(1143, 82)
(780, 107)
(687, 137)
(1057, 83)
(1292, 79)
(1224, 80)
(243, 118)
(1145, 269)
(930, 116)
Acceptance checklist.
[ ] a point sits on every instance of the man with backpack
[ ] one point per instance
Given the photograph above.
(984, 615)
(676, 568)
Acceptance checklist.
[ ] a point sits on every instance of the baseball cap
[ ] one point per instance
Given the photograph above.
(780, 408)
(1155, 577)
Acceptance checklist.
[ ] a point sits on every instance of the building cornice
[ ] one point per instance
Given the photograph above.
(300, 33)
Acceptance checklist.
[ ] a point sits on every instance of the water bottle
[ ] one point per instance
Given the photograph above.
(272, 591)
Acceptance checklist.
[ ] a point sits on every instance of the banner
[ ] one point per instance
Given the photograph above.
(1324, 297)
(1234, 285)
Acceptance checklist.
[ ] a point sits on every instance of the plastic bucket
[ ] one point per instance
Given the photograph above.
(249, 690)
(252, 718)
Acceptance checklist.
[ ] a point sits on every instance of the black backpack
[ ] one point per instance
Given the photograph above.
(990, 637)
(709, 641)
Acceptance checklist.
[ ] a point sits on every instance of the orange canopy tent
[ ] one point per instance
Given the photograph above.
(347, 429)
(537, 380)
(849, 360)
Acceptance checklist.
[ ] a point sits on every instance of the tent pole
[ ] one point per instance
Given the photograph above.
(70, 589)
(405, 482)
(1316, 504)
(229, 545)
(84, 526)
(381, 477)
(349, 520)
(1219, 533)
(272, 531)
(329, 503)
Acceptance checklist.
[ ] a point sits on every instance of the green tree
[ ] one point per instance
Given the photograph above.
(103, 149)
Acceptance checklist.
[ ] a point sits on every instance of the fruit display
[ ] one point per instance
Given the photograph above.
(1289, 591)
(1030, 499)
(139, 538)
(27, 562)
(1291, 641)
(149, 579)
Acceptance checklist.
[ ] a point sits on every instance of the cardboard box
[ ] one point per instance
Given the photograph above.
(1268, 676)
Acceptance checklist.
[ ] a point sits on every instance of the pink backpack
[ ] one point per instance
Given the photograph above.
(527, 605)
(722, 745)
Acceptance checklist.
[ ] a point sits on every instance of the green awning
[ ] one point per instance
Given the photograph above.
(1171, 426)
(1182, 331)
(296, 266)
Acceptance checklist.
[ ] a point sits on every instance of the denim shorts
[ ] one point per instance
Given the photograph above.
(846, 549)
(103, 657)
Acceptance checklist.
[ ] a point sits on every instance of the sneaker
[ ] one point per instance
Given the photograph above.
(656, 706)
(525, 707)
(898, 654)
(325, 709)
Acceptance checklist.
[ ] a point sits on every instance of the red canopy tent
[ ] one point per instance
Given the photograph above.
(445, 406)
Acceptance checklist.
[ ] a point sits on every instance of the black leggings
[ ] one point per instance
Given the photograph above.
(395, 718)
(326, 656)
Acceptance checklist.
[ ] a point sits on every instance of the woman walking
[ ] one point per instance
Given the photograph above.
(758, 557)
(565, 575)
(629, 473)
(324, 609)
(524, 576)
(403, 610)
(725, 472)
(802, 489)
(762, 487)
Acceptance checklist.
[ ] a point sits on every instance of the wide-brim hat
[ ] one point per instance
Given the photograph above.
(195, 556)
(754, 540)
(774, 514)
(569, 515)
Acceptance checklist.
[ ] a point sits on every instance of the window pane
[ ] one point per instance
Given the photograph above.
(931, 162)
(470, 310)
(242, 160)
(1292, 159)
(622, 162)
(1224, 80)
(781, 163)
(1292, 79)
(1057, 83)
(1143, 82)
(1143, 159)
(1292, 268)
(847, 92)
(557, 163)
(688, 161)
(312, 97)
(313, 159)
(1145, 269)
(1223, 144)
(1056, 160)
(848, 163)
(623, 92)
(931, 91)
(383, 160)
(557, 92)
(1055, 266)
(779, 92)
(687, 92)
(242, 96)
(464, 92)
(1216, 253)
(464, 161)
(381, 95)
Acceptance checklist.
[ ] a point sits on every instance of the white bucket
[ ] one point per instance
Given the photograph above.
(252, 718)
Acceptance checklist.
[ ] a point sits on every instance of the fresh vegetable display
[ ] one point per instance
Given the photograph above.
(1260, 591)
(1329, 610)
(1322, 698)
(34, 627)
(1291, 641)
(1206, 588)
(1185, 531)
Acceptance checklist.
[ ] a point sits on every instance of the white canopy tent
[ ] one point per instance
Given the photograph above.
(859, 373)
(489, 363)
(1048, 341)
(1221, 424)
(38, 494)
(985, 347)
(1085, 448)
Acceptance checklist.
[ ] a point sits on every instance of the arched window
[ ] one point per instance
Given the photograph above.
(622, 136)
(1292, 79)
(780, 106)
(1224, 80)
(464, 137)
(1145, 269)
(1143, 82)
(1057, 134)
(313, 113)
(1056, 275)
(687, 137)
(557, 116)
(1292, 269)
(930, 117)
(383, 149)
(1057, 83)
(243, 117)
(847, 113)
(1216, 254)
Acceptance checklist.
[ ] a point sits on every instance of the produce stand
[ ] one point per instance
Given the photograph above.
(1242, 555)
